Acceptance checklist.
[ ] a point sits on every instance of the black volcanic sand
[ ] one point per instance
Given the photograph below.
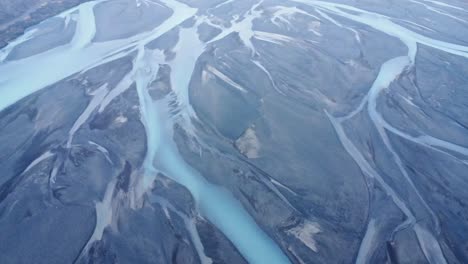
(262, 130)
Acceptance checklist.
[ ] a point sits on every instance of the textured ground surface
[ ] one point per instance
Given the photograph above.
(234, 131)
(17, 15)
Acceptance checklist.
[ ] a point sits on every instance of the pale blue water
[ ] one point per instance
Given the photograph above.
(215, 203)
(223, 210)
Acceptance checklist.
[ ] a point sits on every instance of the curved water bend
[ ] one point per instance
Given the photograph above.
(82, 51)
(389, 72)
(215, 203)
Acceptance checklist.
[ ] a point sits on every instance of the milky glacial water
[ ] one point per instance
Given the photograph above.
(22, 77)
(216, 204)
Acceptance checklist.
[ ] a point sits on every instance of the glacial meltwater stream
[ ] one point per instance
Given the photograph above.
(22, 77)
(215, 203)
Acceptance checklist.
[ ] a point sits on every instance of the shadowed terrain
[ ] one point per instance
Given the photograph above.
(17, 15)
(299, 131)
